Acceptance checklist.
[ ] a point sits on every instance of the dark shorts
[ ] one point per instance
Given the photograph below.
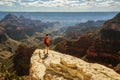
(47, 45)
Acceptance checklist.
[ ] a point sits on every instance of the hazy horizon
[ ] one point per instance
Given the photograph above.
(65, 18)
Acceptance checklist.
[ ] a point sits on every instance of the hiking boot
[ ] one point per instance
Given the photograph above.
(45, 56)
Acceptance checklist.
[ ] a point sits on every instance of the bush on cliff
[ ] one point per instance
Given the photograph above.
(22, 58)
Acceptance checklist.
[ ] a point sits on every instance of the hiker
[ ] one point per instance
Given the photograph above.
(47, 44)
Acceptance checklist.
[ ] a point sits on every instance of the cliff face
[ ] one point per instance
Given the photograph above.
(82, 28)
(17, 27)
(2, 34)
(20, 28)
(105, 52)
(107, 47)
(76, 48)
(111, 28)
(101, 45)
(58, 66)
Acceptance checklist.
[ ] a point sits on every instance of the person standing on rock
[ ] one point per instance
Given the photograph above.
(47, 44)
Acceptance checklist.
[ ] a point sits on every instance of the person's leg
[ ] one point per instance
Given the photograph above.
(46, 52)
(47, 48)
(44, 49)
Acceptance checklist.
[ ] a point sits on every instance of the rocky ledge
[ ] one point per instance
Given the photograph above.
(58, 66)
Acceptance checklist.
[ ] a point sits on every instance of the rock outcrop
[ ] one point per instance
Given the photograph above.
(111, 28)
(79, 29)
(58, 66)
(20, 28)
(76, 48)
(101, 46)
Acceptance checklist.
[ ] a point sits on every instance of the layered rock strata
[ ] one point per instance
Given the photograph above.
(58, 66)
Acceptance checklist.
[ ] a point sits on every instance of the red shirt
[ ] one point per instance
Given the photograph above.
(46, 40)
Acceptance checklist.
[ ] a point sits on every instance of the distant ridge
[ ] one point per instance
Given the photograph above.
(116, 18)
(9, 16)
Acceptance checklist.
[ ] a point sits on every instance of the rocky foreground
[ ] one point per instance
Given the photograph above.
(58, 66)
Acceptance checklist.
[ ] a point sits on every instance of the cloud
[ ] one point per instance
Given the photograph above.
(7, 2)
(69, 3)
(55, 3)
(62, 3)
(109, 3)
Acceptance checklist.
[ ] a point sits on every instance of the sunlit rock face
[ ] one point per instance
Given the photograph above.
(58, 66)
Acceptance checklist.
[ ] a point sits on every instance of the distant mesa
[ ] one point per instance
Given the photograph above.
(111, 28)
(19, 28)
(9, 17)
(22, 17)
(116, 19)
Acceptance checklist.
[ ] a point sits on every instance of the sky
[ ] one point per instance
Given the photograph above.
(60, 5)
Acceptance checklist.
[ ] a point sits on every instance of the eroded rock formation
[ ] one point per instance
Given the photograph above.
(58, 66)
(101, 46)
(80, 29)
(19, 28)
